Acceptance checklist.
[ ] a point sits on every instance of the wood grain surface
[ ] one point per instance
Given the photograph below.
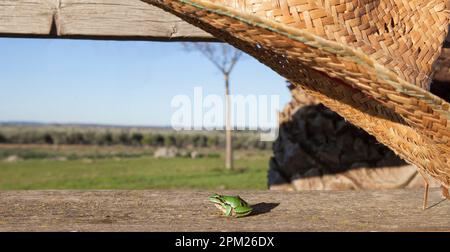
(93, 19)
(189, 210)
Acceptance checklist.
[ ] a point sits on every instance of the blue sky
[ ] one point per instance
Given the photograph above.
(113, 82)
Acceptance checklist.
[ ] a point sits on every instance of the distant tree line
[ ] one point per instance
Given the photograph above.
(242, 140)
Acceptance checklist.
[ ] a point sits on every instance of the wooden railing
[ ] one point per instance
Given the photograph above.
(189, 210)
(93, 19)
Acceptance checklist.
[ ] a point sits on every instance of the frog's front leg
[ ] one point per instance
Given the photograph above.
(228, 209)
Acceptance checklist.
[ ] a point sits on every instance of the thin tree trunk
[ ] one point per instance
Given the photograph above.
(228, 139)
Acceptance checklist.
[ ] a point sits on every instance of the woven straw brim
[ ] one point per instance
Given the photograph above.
(410, 120)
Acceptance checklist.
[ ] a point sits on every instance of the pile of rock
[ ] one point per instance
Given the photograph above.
(318, 149)
(12, 159)
(171, 152)
(165, 152)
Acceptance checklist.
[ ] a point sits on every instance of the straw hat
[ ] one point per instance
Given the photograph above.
(371, 61)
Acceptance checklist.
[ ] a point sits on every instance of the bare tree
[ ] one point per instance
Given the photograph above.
(224, 57)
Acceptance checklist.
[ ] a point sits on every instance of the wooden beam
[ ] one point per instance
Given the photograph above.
(30, 17)
(168, 210)
(93, 19)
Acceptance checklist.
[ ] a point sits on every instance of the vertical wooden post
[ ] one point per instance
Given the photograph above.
(228, 138)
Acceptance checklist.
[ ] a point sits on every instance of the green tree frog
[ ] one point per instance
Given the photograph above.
(231, 205)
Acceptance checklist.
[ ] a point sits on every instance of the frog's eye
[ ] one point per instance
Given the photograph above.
(215, 195)
(215, 198)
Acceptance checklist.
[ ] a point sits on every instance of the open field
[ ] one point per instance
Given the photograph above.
(121, 167)
(109, 157)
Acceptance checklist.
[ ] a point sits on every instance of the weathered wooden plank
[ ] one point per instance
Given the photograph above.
(124, 18)
(93, 19)
(30, 17)
(188, 210)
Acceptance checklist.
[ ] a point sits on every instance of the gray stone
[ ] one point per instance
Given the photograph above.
(12, 159)
(165, 152)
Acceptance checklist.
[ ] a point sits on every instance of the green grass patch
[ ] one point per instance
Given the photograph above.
(142, 172)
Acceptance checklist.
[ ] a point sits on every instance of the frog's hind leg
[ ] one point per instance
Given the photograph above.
(425, 193)
(242, 211)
